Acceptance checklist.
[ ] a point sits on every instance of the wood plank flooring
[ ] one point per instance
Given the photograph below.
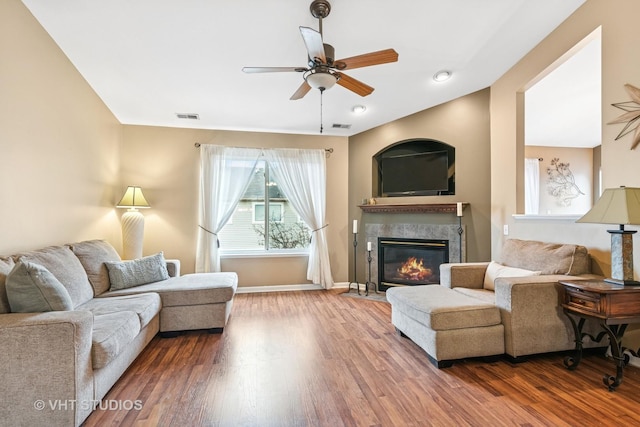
(316, 358)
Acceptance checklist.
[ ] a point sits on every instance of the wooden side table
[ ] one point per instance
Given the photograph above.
(614, 306)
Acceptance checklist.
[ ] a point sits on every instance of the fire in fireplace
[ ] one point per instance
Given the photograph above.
(409, 262)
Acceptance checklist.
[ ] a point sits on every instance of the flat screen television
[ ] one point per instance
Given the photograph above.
(417, 174)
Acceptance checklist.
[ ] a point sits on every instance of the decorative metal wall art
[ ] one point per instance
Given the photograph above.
(561, 183)
(631, 115)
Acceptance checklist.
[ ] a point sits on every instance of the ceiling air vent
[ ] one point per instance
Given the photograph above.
(341, 126)
(188, 116)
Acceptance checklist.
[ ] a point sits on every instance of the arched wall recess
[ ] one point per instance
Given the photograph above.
(414, 167)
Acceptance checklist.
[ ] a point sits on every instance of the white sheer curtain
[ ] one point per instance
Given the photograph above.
(225, 173)
(531, 186)
(301, 175)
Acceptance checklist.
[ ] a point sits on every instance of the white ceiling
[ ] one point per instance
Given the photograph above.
(565, 107)
(151, 59)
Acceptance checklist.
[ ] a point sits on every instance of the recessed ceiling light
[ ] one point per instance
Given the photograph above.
(359, 109)
(441, 76)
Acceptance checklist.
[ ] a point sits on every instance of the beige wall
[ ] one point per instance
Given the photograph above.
(581, 165)
(620, 39)
(462, 123)
(69, 158)
(165, 163)
(619, 164)
(59, 143)
(67, 161)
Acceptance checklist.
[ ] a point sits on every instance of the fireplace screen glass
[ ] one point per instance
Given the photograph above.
(410, 261)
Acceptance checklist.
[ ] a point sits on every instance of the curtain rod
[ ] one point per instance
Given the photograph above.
(328, 150)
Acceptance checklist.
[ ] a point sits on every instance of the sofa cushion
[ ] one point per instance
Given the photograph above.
(31, 288)
(126, 274)
(66, 267)
(146, 306)
(92, 255)
(6, 265)
(440, 308)
(112, 333)
(190, 289)
(483, 295)
(495, 270)
(548, 258)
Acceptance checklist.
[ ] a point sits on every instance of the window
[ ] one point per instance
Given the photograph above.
(249, 232)
(226, 173)
(276, 212)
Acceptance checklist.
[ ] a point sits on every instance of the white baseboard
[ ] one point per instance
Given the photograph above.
(285, 288)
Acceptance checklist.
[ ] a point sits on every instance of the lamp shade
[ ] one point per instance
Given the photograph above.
(615, 206)
(133, 198)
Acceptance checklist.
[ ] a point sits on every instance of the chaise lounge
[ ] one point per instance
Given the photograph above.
(74, 317)
(488, 309)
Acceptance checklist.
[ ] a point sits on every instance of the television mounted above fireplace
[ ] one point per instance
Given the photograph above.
(416, 167)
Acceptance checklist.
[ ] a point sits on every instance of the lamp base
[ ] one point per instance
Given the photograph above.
(132, 234)
(622, 257)
(622, 282)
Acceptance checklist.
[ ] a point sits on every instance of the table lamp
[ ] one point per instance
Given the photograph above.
(132, 222)
(618, 206)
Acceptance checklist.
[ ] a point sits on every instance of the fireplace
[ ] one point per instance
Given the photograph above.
(410, 262)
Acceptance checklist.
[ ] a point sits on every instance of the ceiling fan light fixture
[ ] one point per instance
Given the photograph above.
(442, 76)
(321, 80)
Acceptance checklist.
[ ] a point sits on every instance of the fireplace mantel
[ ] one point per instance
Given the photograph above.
(413, 208)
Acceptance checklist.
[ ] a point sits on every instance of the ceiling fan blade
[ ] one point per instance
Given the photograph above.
(354, 85)
(273, 69)
(367, 59)
(301, 92)
(313, 42)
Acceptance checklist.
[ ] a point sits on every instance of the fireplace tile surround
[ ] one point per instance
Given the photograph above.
(418, 231)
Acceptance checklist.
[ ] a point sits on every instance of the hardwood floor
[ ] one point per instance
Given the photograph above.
(316, 358)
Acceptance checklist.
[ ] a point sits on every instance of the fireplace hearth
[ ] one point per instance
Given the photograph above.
(409, 261)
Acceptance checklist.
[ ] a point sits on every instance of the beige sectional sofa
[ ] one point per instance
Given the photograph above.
(57, 364)
(489, 308)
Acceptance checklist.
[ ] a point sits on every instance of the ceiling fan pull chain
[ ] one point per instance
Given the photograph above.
(321, 92)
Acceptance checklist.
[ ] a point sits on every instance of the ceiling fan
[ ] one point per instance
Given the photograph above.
(323, 71)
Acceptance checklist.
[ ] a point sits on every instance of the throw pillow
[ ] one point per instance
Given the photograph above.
(127, 274)
(6, 265)
(66, 267)
(92, 255)
(495, 270)
(549, 258)
(31, 288)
